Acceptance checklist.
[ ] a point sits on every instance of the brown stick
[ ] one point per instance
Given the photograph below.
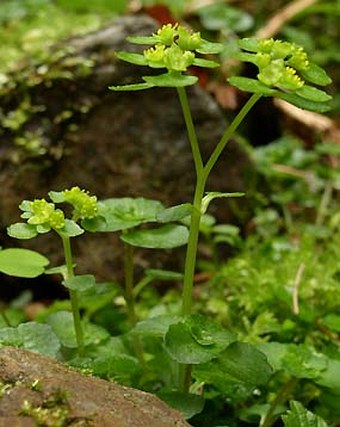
(274, 24)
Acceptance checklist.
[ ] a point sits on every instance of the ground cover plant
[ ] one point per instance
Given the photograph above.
(261, 353)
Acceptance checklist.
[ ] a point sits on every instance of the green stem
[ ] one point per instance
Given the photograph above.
(196, 153)
(130, 299)
(4, 316)
(128, 276)
(190, 259)
(280, 398)
(229, 133)
(202, 176)
(73, 294)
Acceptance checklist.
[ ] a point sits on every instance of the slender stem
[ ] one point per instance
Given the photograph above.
(202, 174)
(128, 276)
(196, 153)
(280, 398)
(130, 299)
(4, 316)
(325, 200)
(191, 253)
(73, 294)
(229, 133)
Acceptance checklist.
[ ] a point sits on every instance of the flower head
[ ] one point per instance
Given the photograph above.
(85, 206)
(41, 213)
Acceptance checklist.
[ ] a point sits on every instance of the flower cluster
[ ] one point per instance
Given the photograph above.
(279, 62)
(284, 71)
(173, 49)
(42, 214)
(85, 206)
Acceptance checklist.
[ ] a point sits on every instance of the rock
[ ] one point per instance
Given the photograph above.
(46, 388)
(77, 132)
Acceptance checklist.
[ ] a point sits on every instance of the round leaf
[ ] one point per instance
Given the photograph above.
(166, 237)
(236, 371)
(80, 283)
(118, 214)
(174, 213)
(39, 338)
(21, 230)
(196, 340)
(22, 262)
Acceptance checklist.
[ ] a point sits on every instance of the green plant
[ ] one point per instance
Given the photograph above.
(172, 351)
(42, 217)
(284, 71)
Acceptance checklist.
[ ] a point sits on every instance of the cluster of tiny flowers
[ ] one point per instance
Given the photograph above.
(40, 212)
(279, 62)
(85, 206)
(173, 48)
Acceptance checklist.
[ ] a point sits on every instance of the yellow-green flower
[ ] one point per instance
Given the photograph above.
(85, 206)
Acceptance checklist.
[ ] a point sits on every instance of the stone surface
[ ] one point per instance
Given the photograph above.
(88, 401)
(112, 144)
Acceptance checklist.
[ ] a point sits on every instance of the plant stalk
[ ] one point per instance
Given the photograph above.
(202, 174)
(130, 299)
(73, 295)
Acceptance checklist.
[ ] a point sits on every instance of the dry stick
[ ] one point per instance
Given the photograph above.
(296, 284)
(279, 19)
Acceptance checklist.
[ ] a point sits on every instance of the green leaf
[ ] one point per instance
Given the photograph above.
(148, 40)
(171, 80)
(196, 339)
(303, 103)
(249, 43)
(315, 74)
(298, 416)
(210, 196)
(57, 196)
(62, 324)
(251, 85)
(188, 404)
(132, 87)
(80, 283)
(156, 326)
(39, 338)
(22, 262)
(118, 214)
(200, 62)
(313, 94)
(209, 47)
(21, 230)
(236, 371)
(174, 213)
(115, 367)
(71, 229)
(10, 337)
(133, 58)
(166, 237)
(330, 377)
